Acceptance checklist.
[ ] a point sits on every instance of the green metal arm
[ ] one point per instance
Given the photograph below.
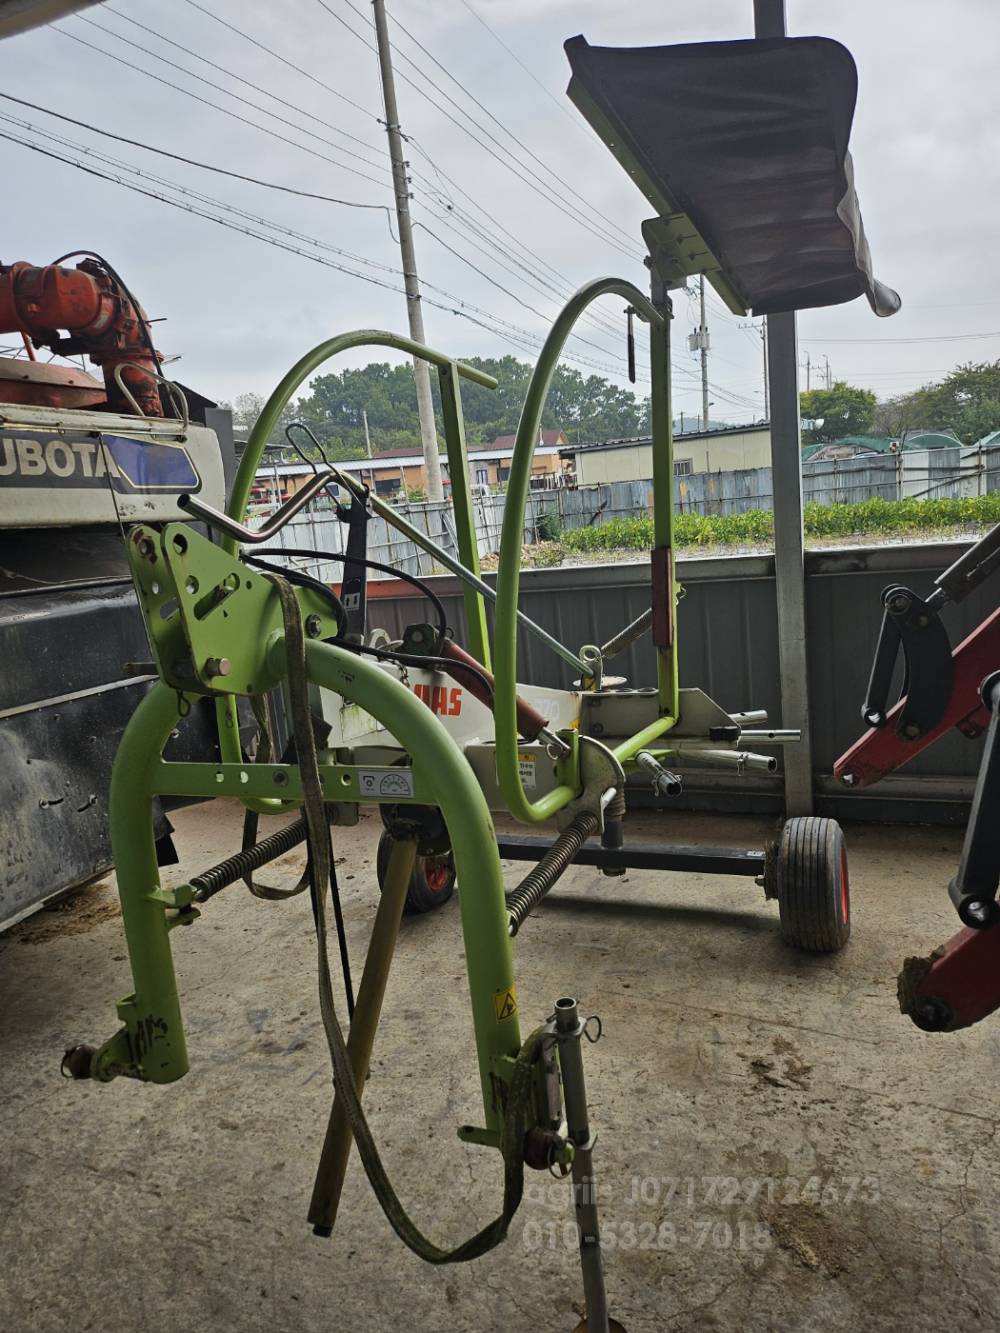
(509, 569)
(449, 371)
(151, 1045)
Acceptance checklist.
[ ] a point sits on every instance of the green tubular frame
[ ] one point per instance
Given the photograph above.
(151, 1045)
(509, 570)
(449, 374)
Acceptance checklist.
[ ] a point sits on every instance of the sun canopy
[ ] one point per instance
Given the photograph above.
(742, 147)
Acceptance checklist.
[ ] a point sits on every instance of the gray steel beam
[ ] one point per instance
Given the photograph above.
(789, 556)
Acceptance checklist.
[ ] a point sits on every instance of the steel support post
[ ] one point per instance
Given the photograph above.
(789, 553)
(568, 1032)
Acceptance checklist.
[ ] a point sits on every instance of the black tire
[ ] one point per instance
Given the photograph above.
(432, 882)
(814, 899)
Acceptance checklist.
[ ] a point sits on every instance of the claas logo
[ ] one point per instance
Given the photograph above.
(440, 699)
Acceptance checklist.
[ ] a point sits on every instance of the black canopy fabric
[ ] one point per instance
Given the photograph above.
(748, 139)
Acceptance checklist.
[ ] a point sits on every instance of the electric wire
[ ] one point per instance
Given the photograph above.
(234, 115)
(538, 184)
(200, 78)
(191, 162)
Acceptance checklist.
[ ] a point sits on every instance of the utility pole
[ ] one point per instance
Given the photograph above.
(789, 555)
(767, 392)
(368, 438)
(698, 341)
(808, 373)
(400, 184)
(829, 384)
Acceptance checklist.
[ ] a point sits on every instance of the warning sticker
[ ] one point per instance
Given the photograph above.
(393, 782)
(505, 1003)
(526, 765)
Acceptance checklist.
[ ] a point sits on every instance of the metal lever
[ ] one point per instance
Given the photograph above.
(223, 523)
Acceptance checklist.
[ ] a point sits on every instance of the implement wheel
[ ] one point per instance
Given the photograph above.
(814, 900)
(432, 882)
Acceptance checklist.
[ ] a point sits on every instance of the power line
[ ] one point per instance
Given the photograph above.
(941, 338)
(187, 92)
(196, 55)
(200, 78)
(291, 64)
(534, 182)
(499, 123)
(191, 162)
(523, 339)
(517, 60)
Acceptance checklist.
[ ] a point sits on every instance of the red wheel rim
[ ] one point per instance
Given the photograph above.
(437, 873)
(845, 893)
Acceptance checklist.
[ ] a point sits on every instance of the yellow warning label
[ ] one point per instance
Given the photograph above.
(505, 1003)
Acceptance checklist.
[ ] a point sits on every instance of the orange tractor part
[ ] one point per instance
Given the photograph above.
(100, 319)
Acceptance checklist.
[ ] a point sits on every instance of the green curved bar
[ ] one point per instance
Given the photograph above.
(441, 764)
(509, 568)
(151, 1045)
(303, 368)
(225, 709)
(153, 1029)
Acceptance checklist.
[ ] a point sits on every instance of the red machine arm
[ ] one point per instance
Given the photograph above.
(100, 316)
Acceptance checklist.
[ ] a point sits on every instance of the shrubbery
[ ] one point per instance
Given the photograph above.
(870, 518)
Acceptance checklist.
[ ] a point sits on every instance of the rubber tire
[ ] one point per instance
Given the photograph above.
(814, 899)
(431, 884)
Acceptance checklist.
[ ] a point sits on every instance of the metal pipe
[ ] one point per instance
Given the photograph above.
(749, 717)
(509, 568)
(238, 531)
(456, 567)
(643, 739)
(361, 1037)
(742, 760)
(569, 1030)
(776, 736)
(665, 783)
(628, 635)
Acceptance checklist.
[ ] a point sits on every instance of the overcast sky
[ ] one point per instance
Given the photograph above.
(240, 312)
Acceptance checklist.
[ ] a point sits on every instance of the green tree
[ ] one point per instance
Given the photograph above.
(967, 401)
(843, 410)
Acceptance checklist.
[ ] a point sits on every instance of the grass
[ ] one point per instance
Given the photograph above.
(879, 518)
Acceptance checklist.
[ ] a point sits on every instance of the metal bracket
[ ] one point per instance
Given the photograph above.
(601, 774)
(209, 619)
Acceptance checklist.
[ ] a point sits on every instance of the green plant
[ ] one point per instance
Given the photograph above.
(547, 524)
(869, 518)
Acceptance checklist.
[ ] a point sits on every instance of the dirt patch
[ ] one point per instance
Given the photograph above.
(809, 1236)
(75, 914)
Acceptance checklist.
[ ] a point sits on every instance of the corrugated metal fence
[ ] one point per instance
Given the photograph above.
(945, 473)
(727, 634)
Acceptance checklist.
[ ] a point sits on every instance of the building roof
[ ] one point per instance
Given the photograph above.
(549, 437)
(396, 458)
(629, 442)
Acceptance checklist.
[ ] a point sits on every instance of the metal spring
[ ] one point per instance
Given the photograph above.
(536, 884)
(227, 872)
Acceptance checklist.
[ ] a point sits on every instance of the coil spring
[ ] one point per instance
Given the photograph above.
(536, 884)
(227, 872)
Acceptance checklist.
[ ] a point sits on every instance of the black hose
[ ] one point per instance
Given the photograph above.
(412, 579)
(537, 882)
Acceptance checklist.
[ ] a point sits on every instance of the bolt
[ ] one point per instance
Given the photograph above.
(899, 603)
(416, 636)
(280, 779)
(146, 548)
(218, 666)
(848, 779)
(314, 626)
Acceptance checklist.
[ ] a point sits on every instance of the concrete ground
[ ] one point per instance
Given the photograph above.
(778, 1148)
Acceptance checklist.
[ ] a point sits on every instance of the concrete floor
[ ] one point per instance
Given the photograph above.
(778, 1148)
